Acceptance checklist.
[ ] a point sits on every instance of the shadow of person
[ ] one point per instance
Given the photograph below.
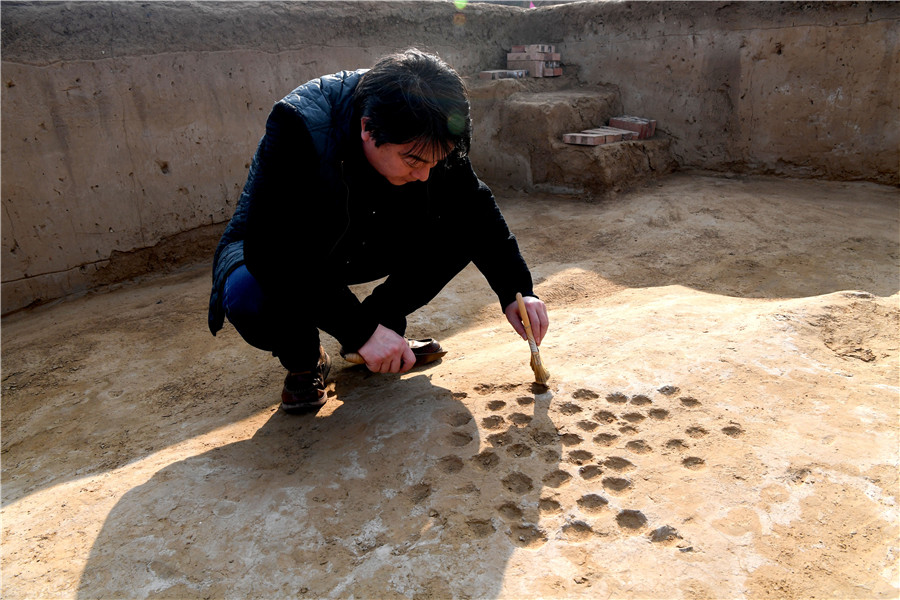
(388, 491)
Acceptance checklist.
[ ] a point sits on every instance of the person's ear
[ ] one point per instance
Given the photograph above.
(366, 135)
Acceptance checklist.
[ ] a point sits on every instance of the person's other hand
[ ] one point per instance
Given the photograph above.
(537, 316)
(387, 352)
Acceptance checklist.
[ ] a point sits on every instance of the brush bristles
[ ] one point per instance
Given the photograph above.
(541, 375)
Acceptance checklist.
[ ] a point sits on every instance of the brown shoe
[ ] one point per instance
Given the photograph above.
(305, 391)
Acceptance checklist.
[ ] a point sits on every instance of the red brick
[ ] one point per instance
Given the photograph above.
(533, 48)
(503, 74)
(540, 48)
(645, 128)
(533, 56)
(624, 134)
(610, 135)
(535, 68)
(584, 139)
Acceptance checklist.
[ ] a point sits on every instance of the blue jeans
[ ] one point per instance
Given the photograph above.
(269, 325)
(292, 335)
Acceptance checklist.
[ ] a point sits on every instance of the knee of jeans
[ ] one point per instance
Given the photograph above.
(242, 297)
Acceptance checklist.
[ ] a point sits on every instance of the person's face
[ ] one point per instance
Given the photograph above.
(397, 162)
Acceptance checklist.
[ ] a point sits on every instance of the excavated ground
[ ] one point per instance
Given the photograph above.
(722, 421)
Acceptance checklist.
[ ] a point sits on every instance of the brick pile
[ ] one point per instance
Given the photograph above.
(540, 60)
(532, 60)
(620, 129)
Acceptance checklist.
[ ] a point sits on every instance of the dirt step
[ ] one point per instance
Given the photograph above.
(536, 119)
(597, 170)
(519, 129)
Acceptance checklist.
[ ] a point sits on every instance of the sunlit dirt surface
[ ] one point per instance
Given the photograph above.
(721, 421)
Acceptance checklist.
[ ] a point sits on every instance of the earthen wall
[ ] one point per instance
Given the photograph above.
(127, 128)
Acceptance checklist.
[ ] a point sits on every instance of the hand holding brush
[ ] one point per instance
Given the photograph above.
(541, 374)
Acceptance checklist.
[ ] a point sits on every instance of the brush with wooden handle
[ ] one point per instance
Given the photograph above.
(541, 375)
(426, 351)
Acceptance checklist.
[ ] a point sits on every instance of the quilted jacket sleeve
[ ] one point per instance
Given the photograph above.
(493, 248)
(467, 224)
(229, 256)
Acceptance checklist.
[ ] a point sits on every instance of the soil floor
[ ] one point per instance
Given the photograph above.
(721, 422)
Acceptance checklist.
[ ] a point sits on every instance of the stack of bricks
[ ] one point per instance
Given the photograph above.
(620, 129)
(540, 60)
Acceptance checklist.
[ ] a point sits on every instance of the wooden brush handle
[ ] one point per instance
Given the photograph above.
(541, 375)
(355, 358)
(526, 322)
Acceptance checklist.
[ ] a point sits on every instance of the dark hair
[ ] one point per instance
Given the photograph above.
(413, 96)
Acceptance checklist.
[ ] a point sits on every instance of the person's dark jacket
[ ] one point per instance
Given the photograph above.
(314, 216)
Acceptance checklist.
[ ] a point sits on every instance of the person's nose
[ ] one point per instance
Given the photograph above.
(421, 174)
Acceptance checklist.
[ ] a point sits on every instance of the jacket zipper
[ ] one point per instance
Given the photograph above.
(346, 210)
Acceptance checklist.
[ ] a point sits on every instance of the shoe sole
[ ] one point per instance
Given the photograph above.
(302, 407)
(293, 409)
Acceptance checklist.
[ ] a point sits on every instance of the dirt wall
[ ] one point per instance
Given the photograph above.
(127, 128)
(795, 89)
(127, 124)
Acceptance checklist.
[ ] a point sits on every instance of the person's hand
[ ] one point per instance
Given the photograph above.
(537, 316)
(387, 352)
